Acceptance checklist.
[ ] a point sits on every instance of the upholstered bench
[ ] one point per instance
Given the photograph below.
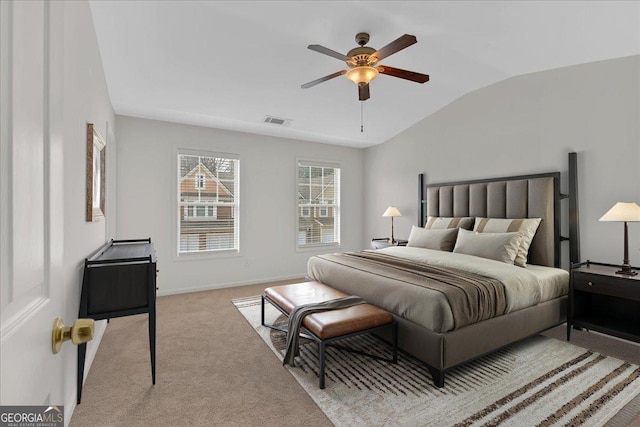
(326, 327)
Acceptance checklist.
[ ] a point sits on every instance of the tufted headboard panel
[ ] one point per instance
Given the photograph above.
(526, 196)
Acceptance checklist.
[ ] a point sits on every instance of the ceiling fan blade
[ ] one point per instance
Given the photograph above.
(323, 79)
(327, 51)
(363, 92)
(403, 74)
(395, 46)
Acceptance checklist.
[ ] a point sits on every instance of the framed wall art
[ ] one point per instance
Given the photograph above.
(96, 155)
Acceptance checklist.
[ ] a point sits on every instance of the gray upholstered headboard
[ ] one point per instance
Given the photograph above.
(526, 196)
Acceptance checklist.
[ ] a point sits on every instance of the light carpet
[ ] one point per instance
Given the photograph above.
(537, 382)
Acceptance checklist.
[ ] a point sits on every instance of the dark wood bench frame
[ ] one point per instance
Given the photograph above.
(330, 342)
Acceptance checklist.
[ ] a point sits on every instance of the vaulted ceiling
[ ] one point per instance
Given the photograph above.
(228, 64)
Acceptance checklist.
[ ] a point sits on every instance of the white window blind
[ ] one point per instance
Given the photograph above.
(208, 202)
(318, 204)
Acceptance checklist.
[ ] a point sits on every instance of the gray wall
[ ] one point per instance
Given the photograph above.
(147, 201)
(526, 124)
(522, 125)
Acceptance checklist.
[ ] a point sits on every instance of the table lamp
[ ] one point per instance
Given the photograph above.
(392, 211)
(624, 212)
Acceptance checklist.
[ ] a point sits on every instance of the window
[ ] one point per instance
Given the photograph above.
(318, 204)
(208, 214)
(199, 181)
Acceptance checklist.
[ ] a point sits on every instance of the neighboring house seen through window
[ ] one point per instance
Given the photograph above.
(318, 204)
(208, 202)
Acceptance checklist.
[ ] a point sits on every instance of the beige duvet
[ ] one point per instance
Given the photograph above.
(426, 307)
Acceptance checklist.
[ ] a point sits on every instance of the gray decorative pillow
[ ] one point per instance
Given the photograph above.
(498, 246)
(441, 240)
(527, 227)
(440, 222)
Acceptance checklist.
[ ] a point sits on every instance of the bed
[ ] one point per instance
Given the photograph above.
(444, 329)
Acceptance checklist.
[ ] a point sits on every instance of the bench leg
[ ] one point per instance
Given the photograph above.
(395, 342)
(262, 312)
(321, 347)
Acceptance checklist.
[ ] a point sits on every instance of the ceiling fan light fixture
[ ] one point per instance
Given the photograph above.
(362, 75)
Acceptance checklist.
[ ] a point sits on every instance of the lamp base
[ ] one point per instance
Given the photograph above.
(626, 273)
(626, 270)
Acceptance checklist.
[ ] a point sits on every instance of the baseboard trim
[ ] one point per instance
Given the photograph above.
(228, 285)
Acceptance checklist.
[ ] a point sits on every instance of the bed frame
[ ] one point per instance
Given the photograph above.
(525, 196)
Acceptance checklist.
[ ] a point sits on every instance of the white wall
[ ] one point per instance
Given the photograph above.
(147, 201)
(526, 124)
(86, 100)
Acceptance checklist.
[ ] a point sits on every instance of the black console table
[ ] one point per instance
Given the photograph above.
(119, 280)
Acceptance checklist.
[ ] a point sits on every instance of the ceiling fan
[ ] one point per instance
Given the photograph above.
(363, 63)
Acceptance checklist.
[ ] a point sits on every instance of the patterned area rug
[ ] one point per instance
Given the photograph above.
(536, 382)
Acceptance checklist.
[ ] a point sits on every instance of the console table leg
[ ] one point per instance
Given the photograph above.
(82, 352)
(152, 343)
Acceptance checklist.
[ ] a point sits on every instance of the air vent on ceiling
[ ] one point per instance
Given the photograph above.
(277, 121)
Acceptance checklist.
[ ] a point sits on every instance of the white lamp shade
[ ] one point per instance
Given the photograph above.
(622, 212)
(392, 211)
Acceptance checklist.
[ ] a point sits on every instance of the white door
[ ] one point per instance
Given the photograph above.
(31, 194)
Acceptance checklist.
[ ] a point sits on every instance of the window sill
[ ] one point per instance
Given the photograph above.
(196, 256)
(319, 247)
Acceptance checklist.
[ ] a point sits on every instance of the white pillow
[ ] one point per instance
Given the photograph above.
(498, 246)
(527, 227)
(441, 240)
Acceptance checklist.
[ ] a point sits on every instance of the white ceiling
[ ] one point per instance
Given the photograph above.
(227, 64)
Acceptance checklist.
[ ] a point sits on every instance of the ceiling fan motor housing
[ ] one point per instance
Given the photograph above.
(360, 56)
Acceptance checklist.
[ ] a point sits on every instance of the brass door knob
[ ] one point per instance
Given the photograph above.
(79, 333)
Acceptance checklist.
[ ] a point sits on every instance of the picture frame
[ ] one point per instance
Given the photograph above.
(96, 169)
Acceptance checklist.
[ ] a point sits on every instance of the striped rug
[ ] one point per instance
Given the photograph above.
(536, 382)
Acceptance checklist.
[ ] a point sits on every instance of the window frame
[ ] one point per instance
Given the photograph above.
(179, 255)
(337, 211)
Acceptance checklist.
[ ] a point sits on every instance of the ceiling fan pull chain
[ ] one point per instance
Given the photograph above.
(361, 116)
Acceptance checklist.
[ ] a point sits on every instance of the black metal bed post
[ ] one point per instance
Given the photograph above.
(421, 200)
(557, 196)
(574, 225)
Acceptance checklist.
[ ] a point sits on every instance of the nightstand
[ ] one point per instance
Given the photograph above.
(603, 301)
(383, 242)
